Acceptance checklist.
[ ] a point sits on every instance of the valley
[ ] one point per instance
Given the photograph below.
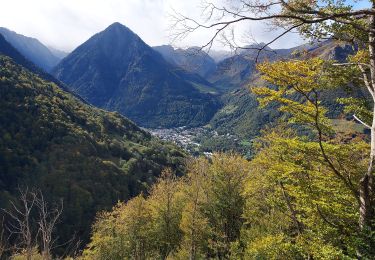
(181, 136)
(199, 140)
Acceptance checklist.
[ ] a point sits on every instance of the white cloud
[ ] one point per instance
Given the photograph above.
(64, 24)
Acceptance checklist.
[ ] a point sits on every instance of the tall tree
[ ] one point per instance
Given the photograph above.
(3, 240)
(296, 205)
(166, 209)
(299, 85)
(194, 224)
(22, 224)
(32, 222)
(227, 174)
(123, 233)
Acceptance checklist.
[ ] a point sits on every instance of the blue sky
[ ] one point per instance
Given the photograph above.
(360, 4)
(64, 24)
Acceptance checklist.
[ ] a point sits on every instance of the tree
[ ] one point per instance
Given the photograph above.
(47, 220)
(295, 204)
(196, 216)
(226, 176)
(123, 233)
(317, 20)
(3, 242)
(194, 224)
(22, 226)
(299, 85)
(166, 210)
(32, 223)
(142, 228)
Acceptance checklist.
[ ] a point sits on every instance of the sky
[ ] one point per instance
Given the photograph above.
(65, 24)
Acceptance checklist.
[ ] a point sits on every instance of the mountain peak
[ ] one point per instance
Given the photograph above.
(117, 26)
(119, 32)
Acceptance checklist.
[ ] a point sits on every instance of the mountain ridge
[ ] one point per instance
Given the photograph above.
(192, 59)
(8, 50)
(32, 49)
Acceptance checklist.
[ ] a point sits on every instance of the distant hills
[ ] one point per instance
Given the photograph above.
(219, 55)
(33, 49)
(7, 49)
(192, 59)
(117, 71)
(240, 113)
(58, 53)
(233, 72)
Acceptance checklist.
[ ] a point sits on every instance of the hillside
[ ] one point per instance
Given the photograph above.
(71, 151)
(117, 71)
(32, 49)
(232, 72)
(240, 114)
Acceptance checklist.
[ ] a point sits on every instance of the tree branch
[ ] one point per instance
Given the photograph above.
(360, 121)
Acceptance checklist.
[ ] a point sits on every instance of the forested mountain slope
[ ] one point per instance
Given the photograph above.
(240, 113)
(88, 157)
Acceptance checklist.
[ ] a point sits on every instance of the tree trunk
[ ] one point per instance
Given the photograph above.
(366, 214)
(291, 209)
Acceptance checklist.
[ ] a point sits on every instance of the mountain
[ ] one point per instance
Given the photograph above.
(32, 49)
(219, 55)
(242, 116)
(329, 50)
(192, 59)
(240, 69)
(232, 72)
(117, 71)
(85, 156)
(240, 113)
(58, 53)
(7, 49)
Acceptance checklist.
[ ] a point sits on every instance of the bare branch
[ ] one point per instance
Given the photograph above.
(47, 222)
(360, 121)
(267, 11)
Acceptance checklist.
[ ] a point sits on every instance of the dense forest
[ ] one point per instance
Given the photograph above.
(85, 156)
